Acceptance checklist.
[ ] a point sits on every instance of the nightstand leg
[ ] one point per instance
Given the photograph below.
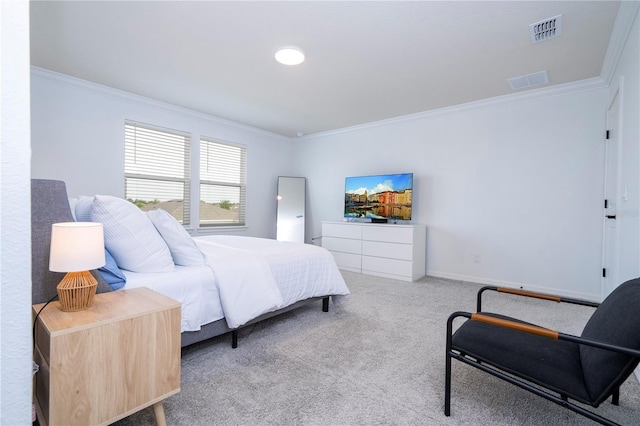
(158, 410)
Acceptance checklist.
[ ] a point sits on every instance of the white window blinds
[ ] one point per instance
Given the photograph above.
(223, 176)
(157, 169)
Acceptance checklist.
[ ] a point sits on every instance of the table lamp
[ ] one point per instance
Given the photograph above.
(76, 247)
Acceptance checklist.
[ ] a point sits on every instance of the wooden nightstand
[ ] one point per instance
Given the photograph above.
(109, 361)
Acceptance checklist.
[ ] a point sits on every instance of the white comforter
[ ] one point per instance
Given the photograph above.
(193, 286)
(256, 275)
(244, 278)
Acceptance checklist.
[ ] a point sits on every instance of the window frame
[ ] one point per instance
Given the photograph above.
(186, 180)
(241, 185)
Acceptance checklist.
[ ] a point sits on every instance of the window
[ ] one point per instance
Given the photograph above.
(156, 169)
(223, 180)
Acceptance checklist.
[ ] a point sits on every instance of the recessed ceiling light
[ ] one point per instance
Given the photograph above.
(290, 55)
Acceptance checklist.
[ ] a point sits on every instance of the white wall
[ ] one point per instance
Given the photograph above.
(78, 137)
(15, 213)
(626, 78)
(517, 182)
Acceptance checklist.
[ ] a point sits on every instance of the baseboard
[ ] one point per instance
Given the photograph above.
(523, 286)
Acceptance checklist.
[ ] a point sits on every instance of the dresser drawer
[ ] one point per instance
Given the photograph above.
(342, 244)
(346, 230)
(393, 268)
(348, 261)
(387, 250)
(388, 233)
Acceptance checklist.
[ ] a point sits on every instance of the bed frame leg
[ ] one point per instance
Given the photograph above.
(234, 339)
(325, 304)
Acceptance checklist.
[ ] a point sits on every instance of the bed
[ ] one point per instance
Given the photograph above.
(223, 282)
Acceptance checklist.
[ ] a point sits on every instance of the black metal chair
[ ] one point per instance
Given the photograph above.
(556, 366)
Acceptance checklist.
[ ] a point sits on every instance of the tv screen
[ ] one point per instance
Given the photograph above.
(379, 196)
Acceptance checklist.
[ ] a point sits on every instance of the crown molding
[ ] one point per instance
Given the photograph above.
(77, 83)
(545, 92)
(621, 29)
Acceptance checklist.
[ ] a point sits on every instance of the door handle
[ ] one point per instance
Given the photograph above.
(610, 216)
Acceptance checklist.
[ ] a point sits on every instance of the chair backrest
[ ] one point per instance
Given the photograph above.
(49, 205)
(615, 321)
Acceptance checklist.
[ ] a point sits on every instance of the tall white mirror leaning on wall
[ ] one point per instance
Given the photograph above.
(290, 216)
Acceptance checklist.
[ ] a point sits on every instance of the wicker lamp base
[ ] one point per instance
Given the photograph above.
(76, 291)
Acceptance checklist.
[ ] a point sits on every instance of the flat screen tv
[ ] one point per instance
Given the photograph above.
(379, 197)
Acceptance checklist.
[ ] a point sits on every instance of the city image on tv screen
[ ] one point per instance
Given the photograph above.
(379, 196)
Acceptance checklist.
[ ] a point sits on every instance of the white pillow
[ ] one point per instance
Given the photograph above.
(130, 236)
(183, 249)
(83, 209)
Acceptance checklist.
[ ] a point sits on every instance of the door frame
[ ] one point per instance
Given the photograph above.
(613, 269)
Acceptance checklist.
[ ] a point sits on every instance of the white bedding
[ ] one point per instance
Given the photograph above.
(300, 270)
(193, 286)
(244, 278)
(258, 275)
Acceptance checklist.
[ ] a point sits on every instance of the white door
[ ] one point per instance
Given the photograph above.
(611, 195)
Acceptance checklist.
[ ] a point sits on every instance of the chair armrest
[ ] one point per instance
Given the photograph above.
(540, 331)
(532, 294)
(527, 328)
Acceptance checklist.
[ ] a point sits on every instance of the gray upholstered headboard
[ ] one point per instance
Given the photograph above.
(49, 205)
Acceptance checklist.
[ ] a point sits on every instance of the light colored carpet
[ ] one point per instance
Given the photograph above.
(377, 359)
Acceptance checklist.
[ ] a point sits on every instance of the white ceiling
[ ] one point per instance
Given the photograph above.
(366, 60)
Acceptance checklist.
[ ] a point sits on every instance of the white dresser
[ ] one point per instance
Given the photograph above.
(387, 250)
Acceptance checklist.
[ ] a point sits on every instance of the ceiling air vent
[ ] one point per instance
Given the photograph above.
(535, 79)
(544, 30)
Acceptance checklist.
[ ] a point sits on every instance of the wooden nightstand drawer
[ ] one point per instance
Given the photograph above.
(109, 361)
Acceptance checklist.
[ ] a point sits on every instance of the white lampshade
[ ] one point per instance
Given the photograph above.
(76, 246)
